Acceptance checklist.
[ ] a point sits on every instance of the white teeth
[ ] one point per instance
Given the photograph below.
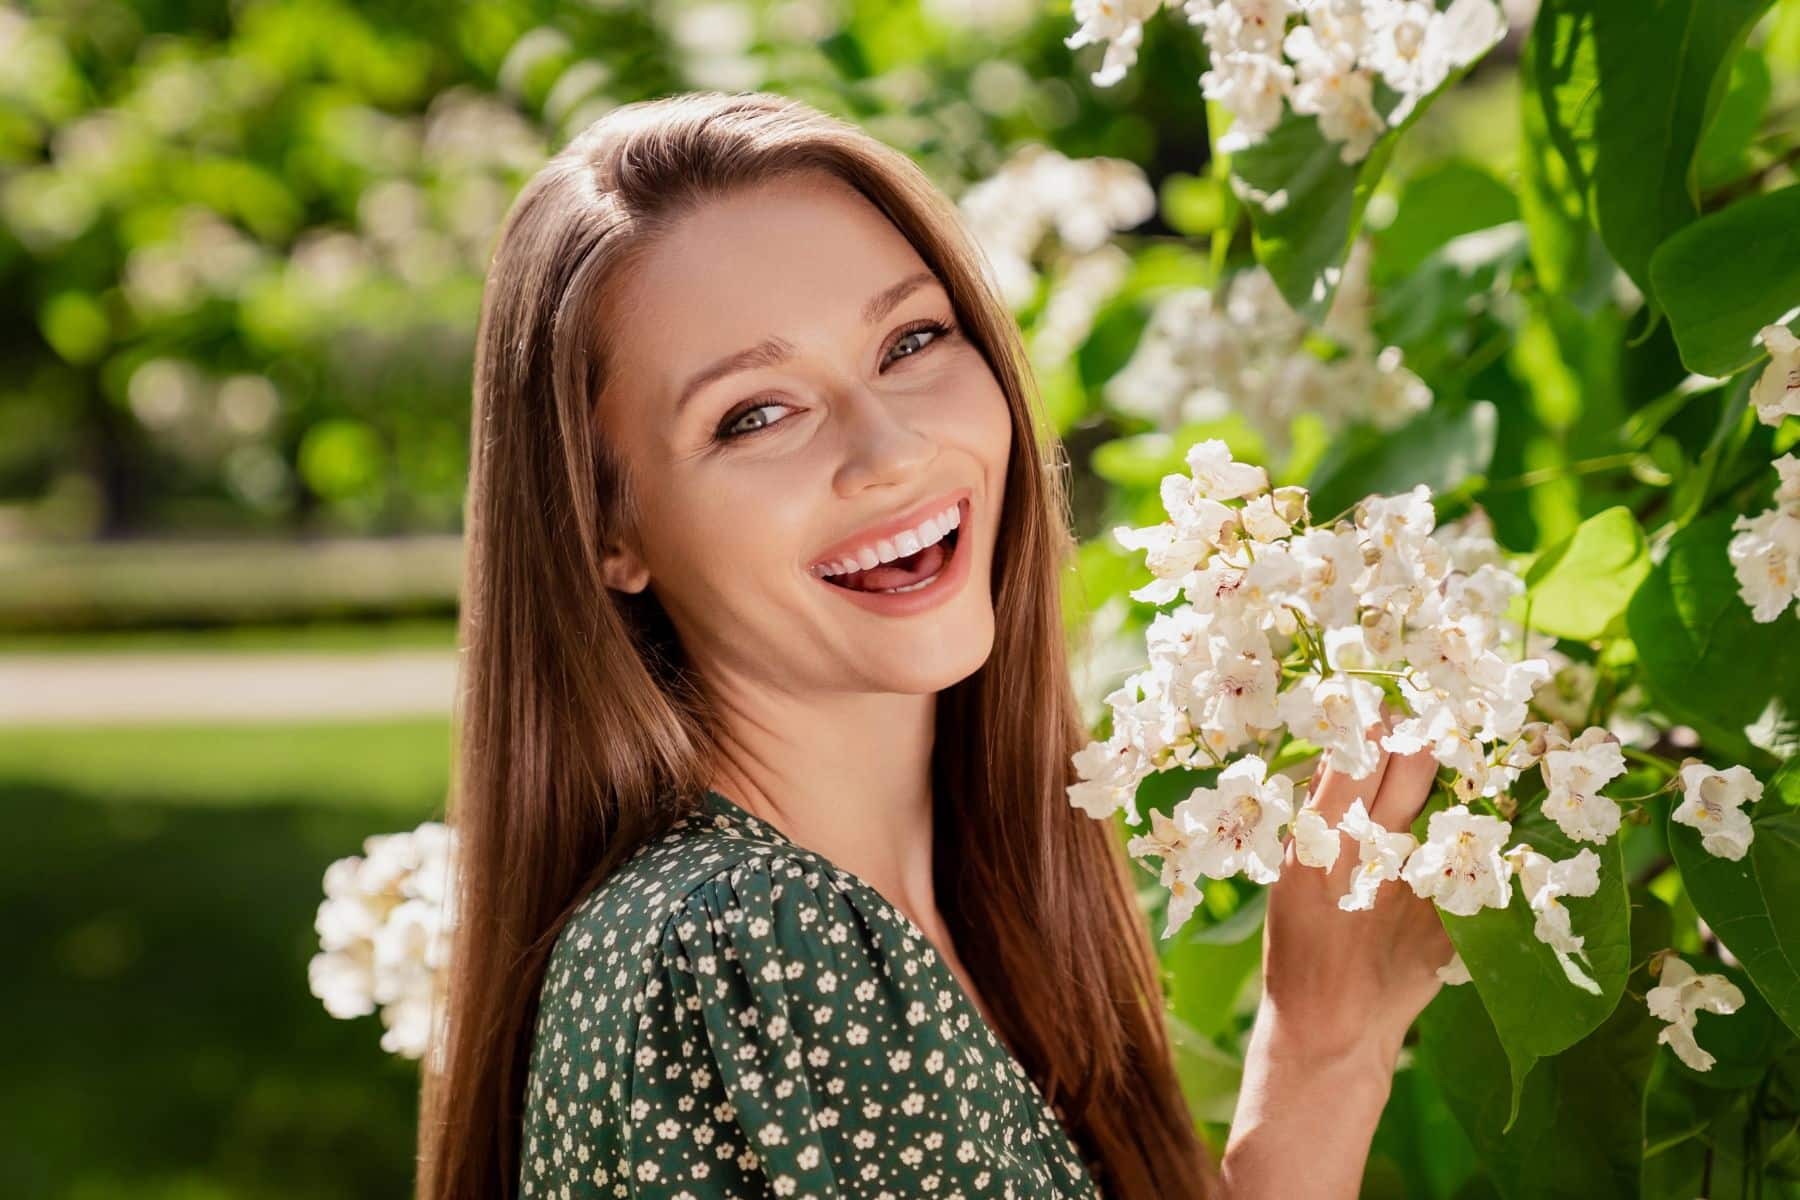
(928, 531)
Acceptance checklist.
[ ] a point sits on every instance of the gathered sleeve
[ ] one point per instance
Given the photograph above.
(795, 1042)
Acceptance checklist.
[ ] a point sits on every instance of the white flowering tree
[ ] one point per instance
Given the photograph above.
(1559, 548)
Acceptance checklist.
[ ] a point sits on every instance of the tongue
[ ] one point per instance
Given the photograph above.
(898, 573)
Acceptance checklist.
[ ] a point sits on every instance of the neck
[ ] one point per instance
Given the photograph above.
(847, 775)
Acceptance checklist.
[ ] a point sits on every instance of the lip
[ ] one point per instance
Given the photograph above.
(900, 523)
(948, 582)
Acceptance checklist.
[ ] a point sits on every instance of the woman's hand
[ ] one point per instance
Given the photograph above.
(1350, 983)
(1339, 992)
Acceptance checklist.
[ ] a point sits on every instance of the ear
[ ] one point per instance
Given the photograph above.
(623, 570)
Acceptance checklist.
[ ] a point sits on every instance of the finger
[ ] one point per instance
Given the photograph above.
(1335, 791)
(1405, 787)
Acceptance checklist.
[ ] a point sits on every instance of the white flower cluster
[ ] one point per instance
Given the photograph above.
(1326, 66)
(1039, 196)
(1765, 552)
(384, 934)
(1294, 629)
(1242, 349)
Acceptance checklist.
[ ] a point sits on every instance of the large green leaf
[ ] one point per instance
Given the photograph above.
(1706, 661)
(1557, 70)
(1753, 904)
(1580, 1124)
(1303, 232)
(1726, 276)
(1536, 1006)
(1627, 89)
(1580, 586)
(1441, 447)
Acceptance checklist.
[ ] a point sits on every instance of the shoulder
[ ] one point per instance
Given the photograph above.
(717, 917)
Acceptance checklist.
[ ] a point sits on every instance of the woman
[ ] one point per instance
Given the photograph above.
(770, 878)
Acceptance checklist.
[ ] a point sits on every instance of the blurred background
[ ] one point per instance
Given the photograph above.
(241, 256)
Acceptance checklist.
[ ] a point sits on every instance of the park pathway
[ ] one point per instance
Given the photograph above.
(149, 687)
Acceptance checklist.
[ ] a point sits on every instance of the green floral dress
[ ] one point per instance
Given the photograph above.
(731, 1015)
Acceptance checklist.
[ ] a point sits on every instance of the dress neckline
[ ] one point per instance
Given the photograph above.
(719, 803)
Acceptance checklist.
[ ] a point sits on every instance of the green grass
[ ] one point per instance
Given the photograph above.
(160, 892)
(418, 633)
(390, 767)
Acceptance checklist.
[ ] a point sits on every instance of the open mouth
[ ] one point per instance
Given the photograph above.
(907, 574)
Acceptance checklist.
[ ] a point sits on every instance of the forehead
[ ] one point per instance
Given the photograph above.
(795, 258)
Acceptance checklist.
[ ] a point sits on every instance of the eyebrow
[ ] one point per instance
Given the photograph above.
(774, 350)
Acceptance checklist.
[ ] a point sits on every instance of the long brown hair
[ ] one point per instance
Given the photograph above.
(582, 733)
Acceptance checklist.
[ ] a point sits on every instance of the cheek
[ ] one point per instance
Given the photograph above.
(730, 535)
(996, 431)
(978, 419)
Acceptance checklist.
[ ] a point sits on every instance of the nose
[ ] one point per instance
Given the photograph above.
(882, 445)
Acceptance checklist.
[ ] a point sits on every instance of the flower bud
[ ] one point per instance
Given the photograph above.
(1291, 504)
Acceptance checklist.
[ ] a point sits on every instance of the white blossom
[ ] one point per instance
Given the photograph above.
(1253, 86)
(1041, 206)
(1776, 392)
(1241, 350)
(1217, 476)
(384, 933)
(1331, 60)
(1681, 996)
(1574, 775)
(1316, 843)
(1765, 549)
(1713, 802)
(1459, 865)
(1545, 881)
(1237, 823)
(1119, 24)
(1335, 713)
(1380, 855)
(1169, 840)
(1110, 772)
(1455, 971)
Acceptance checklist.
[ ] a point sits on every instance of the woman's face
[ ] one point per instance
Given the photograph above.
(864, 411)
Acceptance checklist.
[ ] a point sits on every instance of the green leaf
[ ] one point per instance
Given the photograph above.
(1302, 233)
(1733, 131)
(1753, 904)
(1140, 460)
(1206, 977)
(1579, 587)
(1580, 1125)
(1706, 661)
(1192, 204)
(1209, 1077)
(1558, 69)
(1448, 200)
(1441, 447)
(1627, 89)
(1537, 1008)
(1726, 276)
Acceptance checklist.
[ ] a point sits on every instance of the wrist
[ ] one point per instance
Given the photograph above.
(1315, 1045)
(1305, 1081)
